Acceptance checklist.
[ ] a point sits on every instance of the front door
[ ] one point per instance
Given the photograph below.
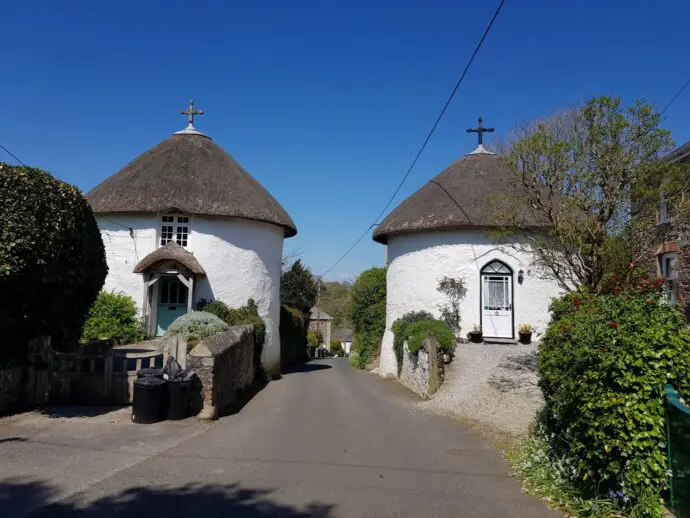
(172, 302)
(497, 301)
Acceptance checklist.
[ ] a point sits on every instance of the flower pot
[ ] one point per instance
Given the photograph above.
(525, 338)
(475, 338)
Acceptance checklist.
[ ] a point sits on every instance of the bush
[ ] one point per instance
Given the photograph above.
(293, 336)
(113, 316)
(337, 348)
(399, 329)
(602, 366)
(313, 339)
(367, 311)
(52, 261)
(196, 325)
(417, 332)
(217, 307)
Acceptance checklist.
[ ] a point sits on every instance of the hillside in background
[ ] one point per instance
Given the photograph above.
(334, 300)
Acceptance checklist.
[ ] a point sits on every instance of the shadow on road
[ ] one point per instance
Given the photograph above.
(72, 411)
(307, 367)
(20, 497)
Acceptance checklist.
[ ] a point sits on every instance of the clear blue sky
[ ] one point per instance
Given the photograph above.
(324, 102)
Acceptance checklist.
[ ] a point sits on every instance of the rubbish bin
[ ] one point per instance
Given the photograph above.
(178, 398)
(150, 372)
(150, 400)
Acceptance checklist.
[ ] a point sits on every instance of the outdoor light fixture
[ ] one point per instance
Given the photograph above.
(521, 276)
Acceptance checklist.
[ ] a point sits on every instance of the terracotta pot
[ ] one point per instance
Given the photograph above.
(525, 338)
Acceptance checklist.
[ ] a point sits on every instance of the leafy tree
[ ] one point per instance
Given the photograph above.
(367, 311)
(113, 316)
(592, 175)
(52, 260)
(298, 288)
(334, 301)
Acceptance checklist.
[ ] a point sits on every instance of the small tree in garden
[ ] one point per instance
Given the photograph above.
(367, 311)
(52, 260)
(454, 289)
(113, 316)
(592, 177)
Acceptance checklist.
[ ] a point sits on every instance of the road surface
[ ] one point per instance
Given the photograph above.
(324, 441)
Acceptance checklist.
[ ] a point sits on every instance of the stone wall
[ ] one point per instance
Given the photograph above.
(420, 372)
(10, 388)
(225, 365)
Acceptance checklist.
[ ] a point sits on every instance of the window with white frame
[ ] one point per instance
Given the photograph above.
(668, 266)
(174, 228)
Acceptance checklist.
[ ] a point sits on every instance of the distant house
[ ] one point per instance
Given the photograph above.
(185, 222)
(344, 336)
(320, 322)
(671, 257)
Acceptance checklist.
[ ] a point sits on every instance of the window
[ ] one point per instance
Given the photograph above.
(174, 228)
(669, 272)
(172, 291)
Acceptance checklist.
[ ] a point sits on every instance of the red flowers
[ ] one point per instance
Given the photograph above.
(617, 290)
(576, 302)
(613, 324)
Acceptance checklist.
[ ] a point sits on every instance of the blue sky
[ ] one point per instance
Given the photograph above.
(324, 102)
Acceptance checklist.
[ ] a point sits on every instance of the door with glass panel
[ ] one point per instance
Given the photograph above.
(497, 300)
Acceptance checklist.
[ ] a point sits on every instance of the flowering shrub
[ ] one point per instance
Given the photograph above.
(602, 364)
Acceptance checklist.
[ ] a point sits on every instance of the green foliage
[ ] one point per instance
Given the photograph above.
(298, 288)
(417, 332)
(113, 316)
(399, 329)
(52, 261)
(196, 325)
(336, 348)
(334, 300)
(217, 307)
(355, 360)
(602, 365)
(454, 289)
(313, 338)
(545, 475)
(579, 170)
(293, 335)
(367, 311)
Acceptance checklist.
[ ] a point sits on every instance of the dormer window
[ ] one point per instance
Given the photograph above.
(174, 228)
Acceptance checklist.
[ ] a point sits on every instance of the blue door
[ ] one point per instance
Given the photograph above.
(172, 302)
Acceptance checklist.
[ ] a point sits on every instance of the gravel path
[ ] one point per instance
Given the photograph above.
(491, 385)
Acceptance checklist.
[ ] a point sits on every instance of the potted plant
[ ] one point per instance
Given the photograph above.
(525, 333)
(475, 336)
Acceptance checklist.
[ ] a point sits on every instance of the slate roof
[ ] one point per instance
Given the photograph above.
(322, 314)
(189, 172)
(473, 192)
(171, 252)
(344, 335)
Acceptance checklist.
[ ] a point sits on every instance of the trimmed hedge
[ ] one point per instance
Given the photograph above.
(417, 332)
(399, 329)
(602, 365)
(293, 336)
(113, 316)
(367, 311)
(52, 260)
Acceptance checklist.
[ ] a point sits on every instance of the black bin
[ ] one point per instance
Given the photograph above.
(150, 372)
(150, 401)
(179, 391)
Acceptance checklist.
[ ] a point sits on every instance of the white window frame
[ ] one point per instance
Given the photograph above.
(668, 268)
(175, 226)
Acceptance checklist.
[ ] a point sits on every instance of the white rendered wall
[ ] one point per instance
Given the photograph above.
(416, 263)
(242, 260)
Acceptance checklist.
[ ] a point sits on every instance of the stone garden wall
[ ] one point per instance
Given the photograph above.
(419, 372)
(10, 388)
(224, 364)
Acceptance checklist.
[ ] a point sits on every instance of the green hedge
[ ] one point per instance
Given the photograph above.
(52, 260)
(367, 311)
(602, 366)
(113, 316)
(417, 332)
(399, 328)
(293, 336)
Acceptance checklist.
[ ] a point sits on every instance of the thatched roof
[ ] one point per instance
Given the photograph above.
(189, 172)
(171, 252)
(680, 154)
(473, 192)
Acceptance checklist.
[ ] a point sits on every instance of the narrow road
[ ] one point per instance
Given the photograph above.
(325, 441)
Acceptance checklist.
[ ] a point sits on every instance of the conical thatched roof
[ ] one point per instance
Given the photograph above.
(189, 172)
(473, 192)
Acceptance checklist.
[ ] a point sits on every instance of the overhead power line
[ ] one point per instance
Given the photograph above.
(13, 155)
(673, 99)
(427, 139)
